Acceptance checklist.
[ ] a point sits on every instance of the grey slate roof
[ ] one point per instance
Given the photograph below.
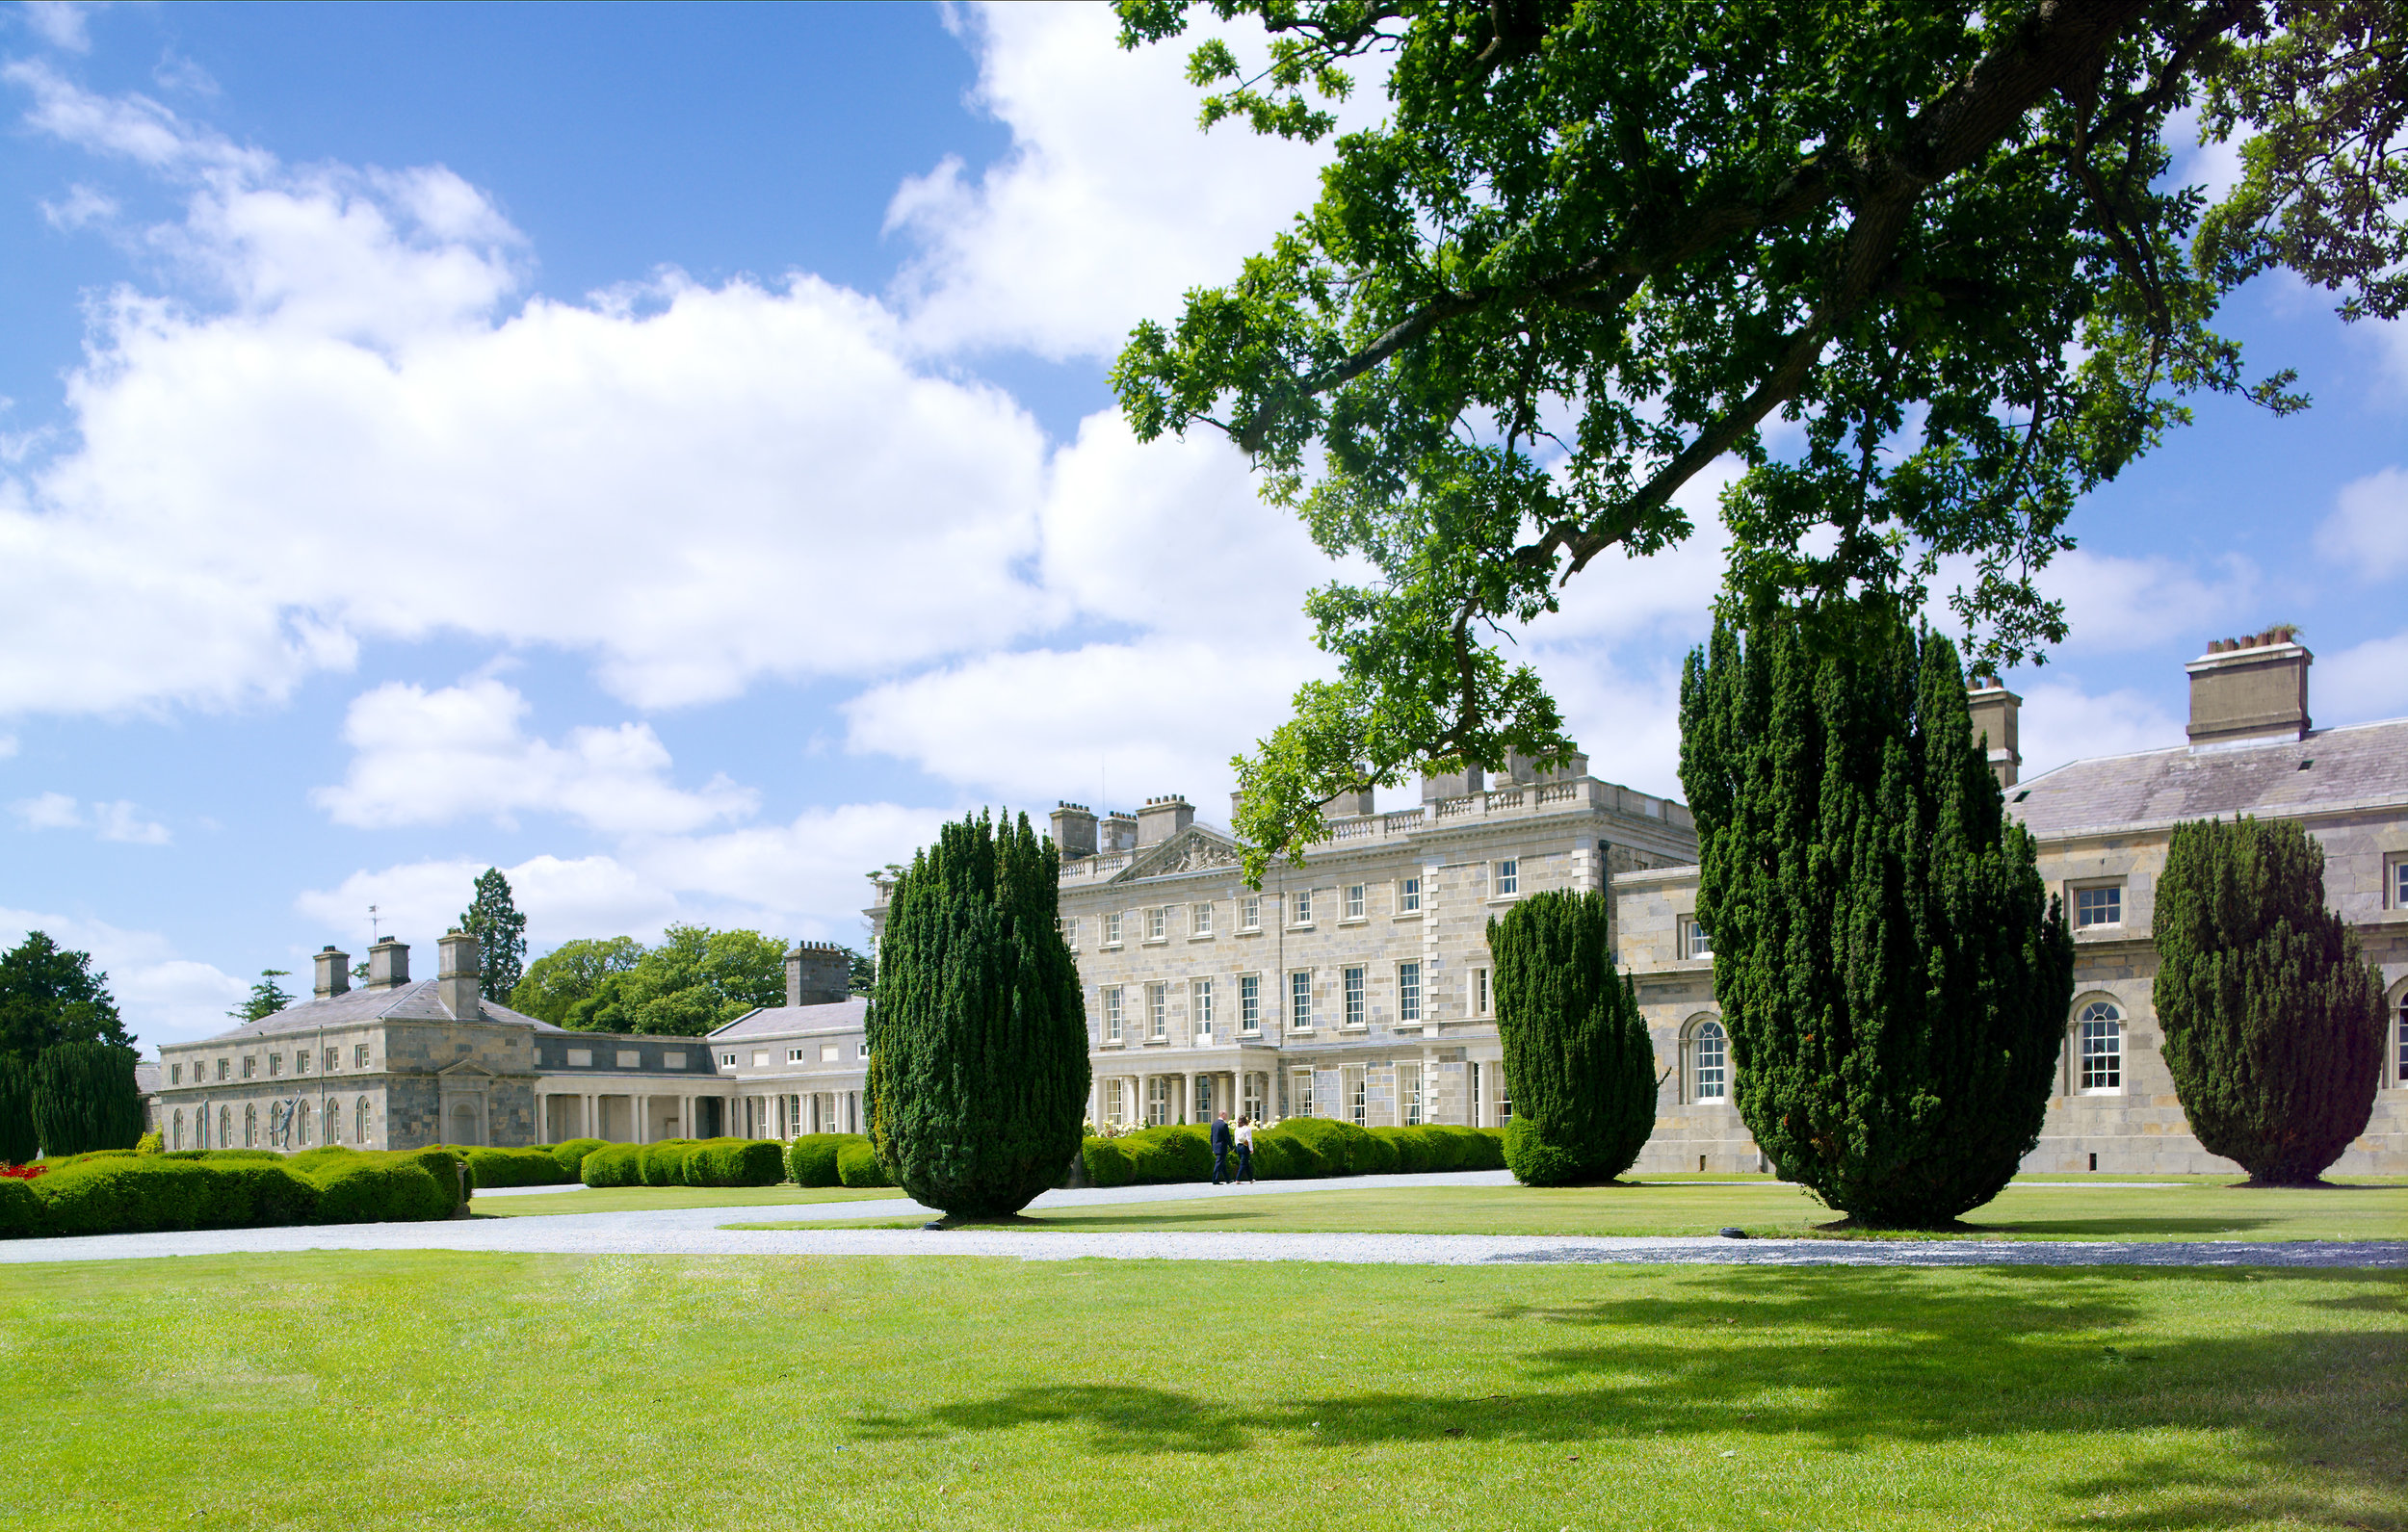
(776, 1021)
(146, 1078)
(2364, 765)
(414, 1002)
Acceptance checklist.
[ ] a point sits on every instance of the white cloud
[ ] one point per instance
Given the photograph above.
(162, 996)
(120, 820)
(2060, 722)
(365, 439)
(805, 878)
(61, 23)
(51, 811)
(1112, 202)
(2368, 531)
(431, 757)
(2365, 681)
(2114, 603)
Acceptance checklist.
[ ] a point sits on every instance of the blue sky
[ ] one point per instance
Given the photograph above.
(664, 451)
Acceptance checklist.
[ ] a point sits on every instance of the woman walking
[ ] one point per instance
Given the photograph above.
(1245, 1149)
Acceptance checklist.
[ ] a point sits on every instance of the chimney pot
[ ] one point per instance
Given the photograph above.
(2251, 690)
(818, 973)
(1074, 830)
(389, 964)
(334, 972)
(1163, 818)
(460, 976)
(1995, 711)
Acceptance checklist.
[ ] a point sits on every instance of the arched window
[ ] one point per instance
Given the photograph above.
(301, 1124)
(250, 1127)
(464, 1125)
(225, 1128)
(359, 1122)
(2099, 1041)
(1709, 1062)
(2400, 1028)
(179, 1129)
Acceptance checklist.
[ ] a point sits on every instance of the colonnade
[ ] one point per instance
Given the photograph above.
(784, 1114)
(1187, 1096)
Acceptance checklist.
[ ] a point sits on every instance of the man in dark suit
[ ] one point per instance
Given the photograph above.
(1220, 1147)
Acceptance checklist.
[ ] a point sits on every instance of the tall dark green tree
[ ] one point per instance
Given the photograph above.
(501, 933)
(85, 1098)
(1892, 973)
(19, 1139)
(265, 998)
(1590, 249)
(1576, 1055)
(978, 1038)
(2272, 1017)
(50, 995)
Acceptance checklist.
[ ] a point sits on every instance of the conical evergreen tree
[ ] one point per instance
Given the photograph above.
(494, 920)
(977, 1033)
(19, 1142)
(1890, 970)
(85, 1098)
(1576, 1055)
(2272, 1017)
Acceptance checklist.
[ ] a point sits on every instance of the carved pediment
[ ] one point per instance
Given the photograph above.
(1190, 850)
(465, 1070)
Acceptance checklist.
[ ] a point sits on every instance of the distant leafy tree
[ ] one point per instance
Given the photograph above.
(1892, 972)
(265, 998)
(571, 973)
(84, 1098)
(501, 933)
(49, 994)
(19, 1139)
(977, 1036)
(861, 977)
(2272, 1015)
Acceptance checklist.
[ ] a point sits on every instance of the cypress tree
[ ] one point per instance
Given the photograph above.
(85, 1098)
(2272, 1017)
(18, 1141)
(1576, 1055)
(978, 1037)
(1892, 974)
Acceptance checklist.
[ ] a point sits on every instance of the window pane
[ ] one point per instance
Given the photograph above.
(2099, 906)
(1251, 1002)
(1409, 894)
(1509, 876)
(1301, 1000)
(1408, 992)
(1355, 902)
(2102, 1048)
(1712, 1062)
(1354, 996)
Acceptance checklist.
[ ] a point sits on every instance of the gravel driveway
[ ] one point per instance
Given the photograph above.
(699, 1232)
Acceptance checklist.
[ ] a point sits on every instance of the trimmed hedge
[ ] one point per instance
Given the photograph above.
(1108, 1162)
(514, 1167)
(613, 1165)
(21, 1210)
(1412, 1150)
(141, 1195)
(811, 1160)
(378, 1190)
(571, 1155)
(857, 1165)
(735, 1162)
(1176, 1153)
(663, 1164)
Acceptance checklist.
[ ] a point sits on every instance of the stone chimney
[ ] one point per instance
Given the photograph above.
(1161, 819)
(1348, 805)
(1116, 832)
(818, 973)
(334, 972)
(1074, 830)
(458, 975)
(2250, 690)
(1994, 708)
(1454, 785)
(389, 964)
(1575, 766)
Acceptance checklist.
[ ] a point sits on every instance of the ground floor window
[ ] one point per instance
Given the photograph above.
(1409, 1094)
(1115, 1101)
(2101, 1027)
(1204, 1098)
(301, 1124)
(250, 1127)
(1156, 1100)
(1251, 1095)
(1300, 1094)
(179, 1129)
(1710, 1063)
(1358, 1092)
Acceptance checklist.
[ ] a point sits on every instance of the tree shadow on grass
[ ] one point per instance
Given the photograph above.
(1852, 1361)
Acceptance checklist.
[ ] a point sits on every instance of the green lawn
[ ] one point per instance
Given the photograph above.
(659, 1199)
(2204, 1209)
(444, 1389)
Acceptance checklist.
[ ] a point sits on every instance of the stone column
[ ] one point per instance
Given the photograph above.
(1186, 1087)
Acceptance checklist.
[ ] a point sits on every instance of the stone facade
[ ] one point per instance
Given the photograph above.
(1356, 986)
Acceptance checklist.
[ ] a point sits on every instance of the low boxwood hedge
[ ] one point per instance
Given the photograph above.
(571, 1155)
(154, 1192)
(1108, 1162)
(376, 1189)
(514, 1167)
(811, 1160)
(741, 1162)
(1174, 1153)
(1411, 1150)
(613, 1165)
(663, 1164)
(21, 1210)
(856, 1165)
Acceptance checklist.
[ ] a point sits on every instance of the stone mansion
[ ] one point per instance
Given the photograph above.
(1358, 986)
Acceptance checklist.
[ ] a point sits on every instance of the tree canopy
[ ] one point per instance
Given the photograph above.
(695, 979)
(1598, 245)
(49, 994)
(494, 920)
(265, 998)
